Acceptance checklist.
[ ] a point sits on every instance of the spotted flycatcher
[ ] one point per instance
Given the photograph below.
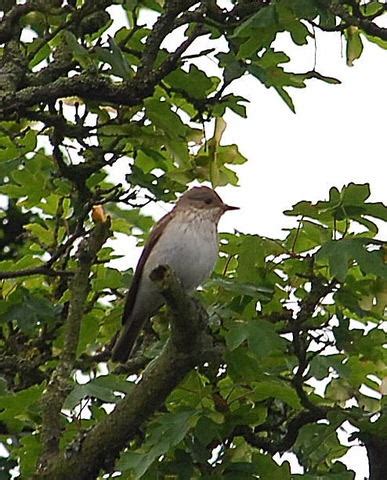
(186, 239)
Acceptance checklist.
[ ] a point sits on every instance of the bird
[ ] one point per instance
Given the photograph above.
(185, 239)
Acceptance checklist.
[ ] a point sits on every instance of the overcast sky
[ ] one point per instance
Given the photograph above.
(337, 136)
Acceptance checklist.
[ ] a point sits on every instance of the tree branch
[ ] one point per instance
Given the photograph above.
(364, 23)
(11, 18)
(85, 86)
(292, 430)
(376, 446)
(164, 25)
(40, 270)
(58, 387)
(189, 345)
(318, 291)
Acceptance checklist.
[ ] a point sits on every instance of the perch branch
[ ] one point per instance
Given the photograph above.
(189, 345)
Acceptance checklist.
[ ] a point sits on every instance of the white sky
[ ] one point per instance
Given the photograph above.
(337, 136)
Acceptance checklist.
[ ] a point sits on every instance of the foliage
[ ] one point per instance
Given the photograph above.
(296, 322)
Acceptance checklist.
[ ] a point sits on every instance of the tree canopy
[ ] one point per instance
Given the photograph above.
(284, 345)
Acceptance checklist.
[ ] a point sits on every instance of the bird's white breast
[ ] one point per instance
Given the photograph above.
(189, 246)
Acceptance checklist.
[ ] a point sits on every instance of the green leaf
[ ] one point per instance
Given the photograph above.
(236, 336)
(264, 18)
(79, 53)
(160, 113)
(29, 450)
(28, 310)
(19, 409)
(278, 390)
(103, 388)
(354, 44)
(206, 430)
(163, 118)
(250, 253)
(41, 232)
(194, 82)
(16, 148)
(348, 204)
(317, 447)
(341, 253)
(39, 51)
(257, 32)
(166, 432)
(263, 339)
(109, 278)
(116, 59)
(267, 70)
(233, 68)
(324, 78)
(286, 98)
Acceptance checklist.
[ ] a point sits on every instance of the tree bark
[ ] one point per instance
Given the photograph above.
(377, 457)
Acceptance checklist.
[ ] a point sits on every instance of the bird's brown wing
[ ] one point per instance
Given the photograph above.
(151, 242)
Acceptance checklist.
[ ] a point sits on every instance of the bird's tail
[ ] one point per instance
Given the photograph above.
(126, 340)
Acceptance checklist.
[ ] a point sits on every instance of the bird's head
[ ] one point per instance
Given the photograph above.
(205, 199)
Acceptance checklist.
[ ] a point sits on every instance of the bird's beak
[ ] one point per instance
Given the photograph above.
(229, 207)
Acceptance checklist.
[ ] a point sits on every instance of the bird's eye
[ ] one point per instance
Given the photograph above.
(208, 201)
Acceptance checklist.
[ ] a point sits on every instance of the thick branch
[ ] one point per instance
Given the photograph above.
(11, 18)
(85, 86)
(367, 26)
(376, 449)
(58, 387)
(188, 346)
